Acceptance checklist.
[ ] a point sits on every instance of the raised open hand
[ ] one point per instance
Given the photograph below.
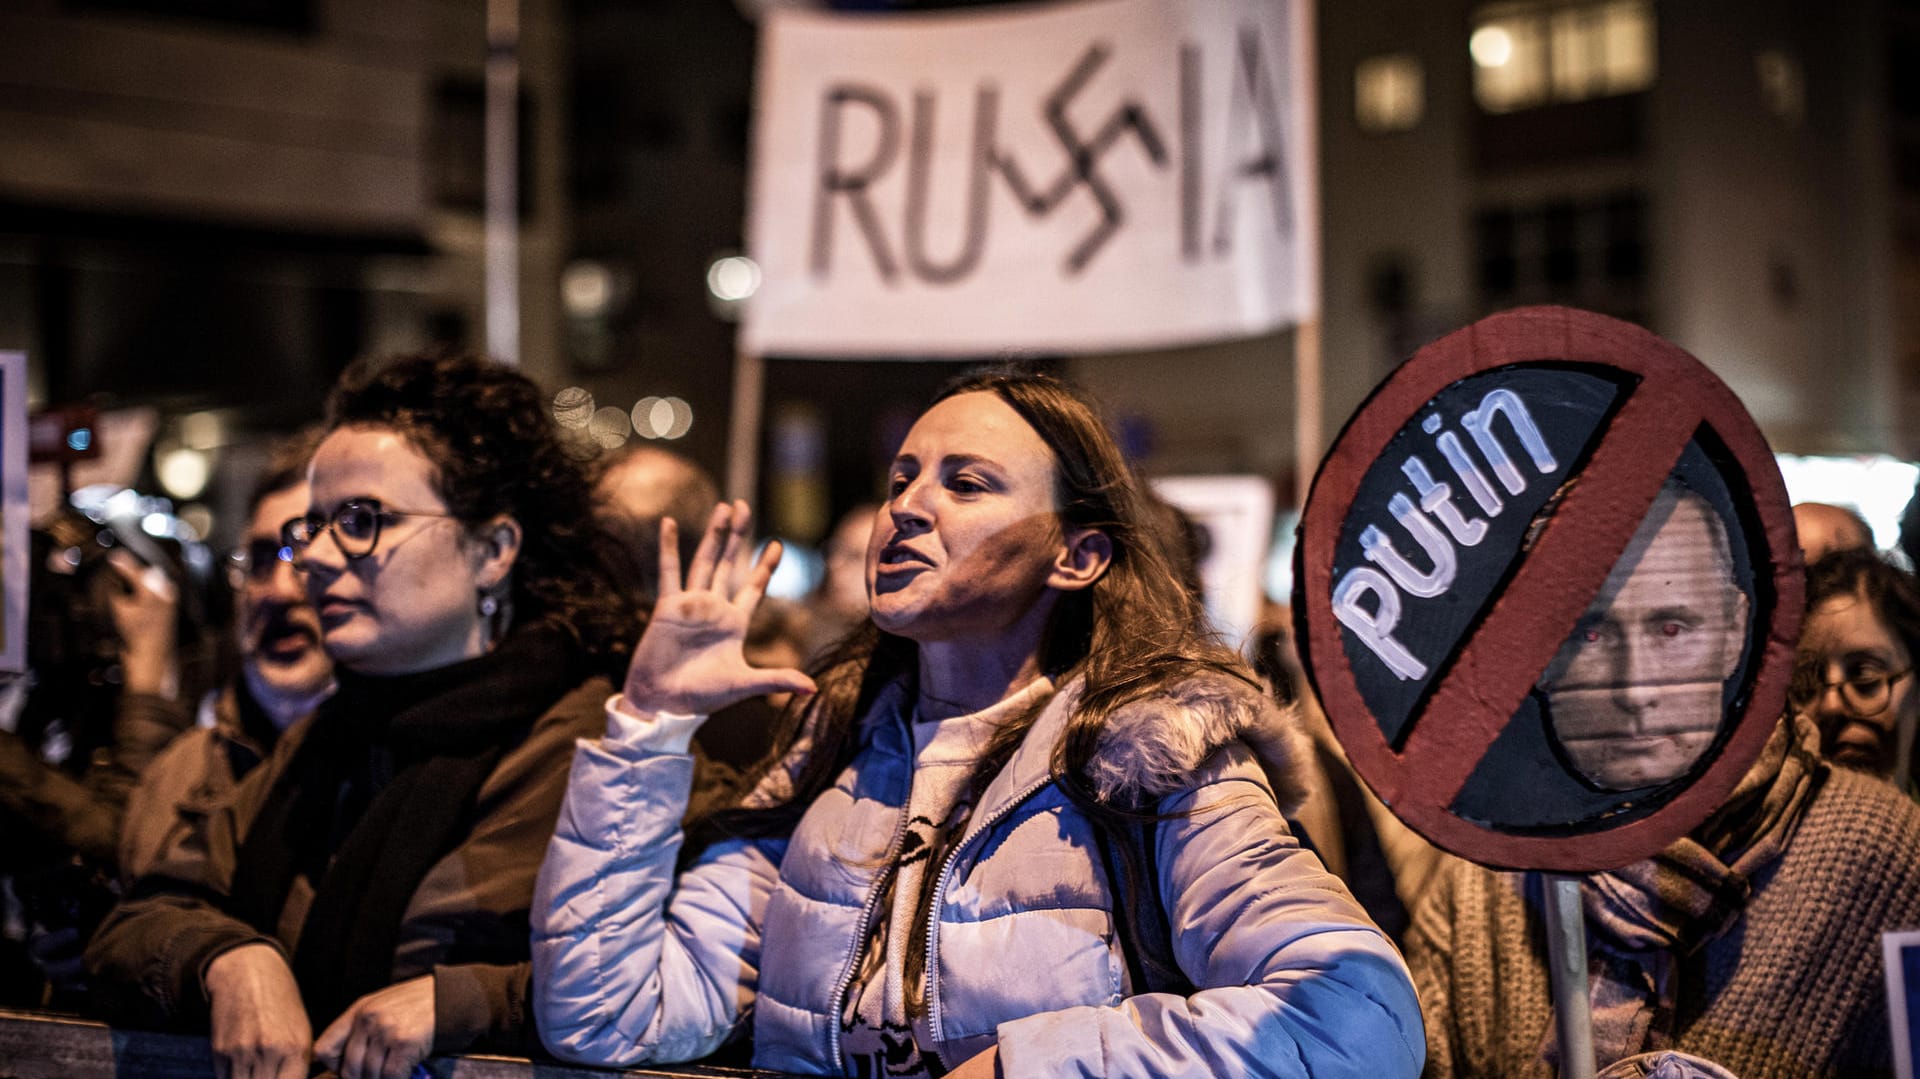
(691, 657)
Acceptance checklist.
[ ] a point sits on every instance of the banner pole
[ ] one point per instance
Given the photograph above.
(1308, 407)
(1567, 965)
(502, 197)
(1307, 392)
(743, 436)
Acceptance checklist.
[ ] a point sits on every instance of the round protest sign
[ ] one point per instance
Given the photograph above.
(1548, 591)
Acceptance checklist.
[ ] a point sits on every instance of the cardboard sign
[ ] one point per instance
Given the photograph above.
(1548, 590)
(1235, 516)
(14, 511)
(1063, 177)
(1902, 954)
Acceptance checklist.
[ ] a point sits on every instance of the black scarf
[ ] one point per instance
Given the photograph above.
(383, 787)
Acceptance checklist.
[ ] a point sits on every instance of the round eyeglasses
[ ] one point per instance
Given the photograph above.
(1866, 694)
(356, 525)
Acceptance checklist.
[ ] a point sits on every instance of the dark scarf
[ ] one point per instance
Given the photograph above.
(383, 787)
(253, 735)
(1643, 919)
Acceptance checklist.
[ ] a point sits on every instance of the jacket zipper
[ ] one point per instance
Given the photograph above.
(859, 940)
(939, 894)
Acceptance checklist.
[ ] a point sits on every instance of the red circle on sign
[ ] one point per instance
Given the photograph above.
(1563, 567)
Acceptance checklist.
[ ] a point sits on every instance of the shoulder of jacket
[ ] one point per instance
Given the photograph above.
(1152, 746)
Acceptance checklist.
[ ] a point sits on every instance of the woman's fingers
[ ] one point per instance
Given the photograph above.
(706, 556)
(778, 680)
(669, 558)
(738, 554)
(754, 581)
(353, 1061)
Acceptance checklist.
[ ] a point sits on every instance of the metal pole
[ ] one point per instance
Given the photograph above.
(1567, 964)
(503, 181)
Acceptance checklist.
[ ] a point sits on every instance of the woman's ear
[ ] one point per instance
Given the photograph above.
(1084, 557)
(496, 548)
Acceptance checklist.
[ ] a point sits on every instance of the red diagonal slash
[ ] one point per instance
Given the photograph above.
(1496, 666)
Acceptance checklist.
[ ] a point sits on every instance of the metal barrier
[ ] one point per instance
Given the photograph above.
(35, 1045)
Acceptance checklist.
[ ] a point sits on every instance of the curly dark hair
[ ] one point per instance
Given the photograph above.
(496, 450)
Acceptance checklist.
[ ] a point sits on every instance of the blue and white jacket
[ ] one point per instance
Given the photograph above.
(633, 964)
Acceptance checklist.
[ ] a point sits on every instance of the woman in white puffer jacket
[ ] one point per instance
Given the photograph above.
(1029, 824)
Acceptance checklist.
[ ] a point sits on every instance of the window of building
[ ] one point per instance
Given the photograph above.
(456, 159)
(1389, 93)
(1531, 54)
(1587, 251)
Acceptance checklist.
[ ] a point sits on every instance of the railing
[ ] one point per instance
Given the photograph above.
(44, 1046)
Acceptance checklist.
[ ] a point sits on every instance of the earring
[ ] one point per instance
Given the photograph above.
(489, 605)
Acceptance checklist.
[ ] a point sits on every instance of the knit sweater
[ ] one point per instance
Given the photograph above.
(1794, 988)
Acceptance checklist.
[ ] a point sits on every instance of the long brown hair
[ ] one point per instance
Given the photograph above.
(1137, 632)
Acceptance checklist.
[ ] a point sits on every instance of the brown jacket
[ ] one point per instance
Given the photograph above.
(83, 813)
(195, 773)
(149, 958)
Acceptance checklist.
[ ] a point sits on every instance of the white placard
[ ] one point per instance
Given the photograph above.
(1081, 177)
(1902, 953)
(13, 511)
(1236, 515)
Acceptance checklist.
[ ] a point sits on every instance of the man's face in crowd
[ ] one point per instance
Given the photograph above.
(1634, 695)
(279, 631)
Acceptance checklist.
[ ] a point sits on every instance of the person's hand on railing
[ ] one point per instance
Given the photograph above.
(260, 1028)
(691, 659)
(383, 1035)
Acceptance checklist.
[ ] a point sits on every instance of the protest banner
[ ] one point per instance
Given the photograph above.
(1075, 178)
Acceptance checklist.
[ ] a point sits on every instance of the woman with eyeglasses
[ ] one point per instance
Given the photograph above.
(1854, 674)
(1029, 825)
(370, 882)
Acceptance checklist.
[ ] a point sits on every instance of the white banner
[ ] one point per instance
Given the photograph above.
(1083, 177)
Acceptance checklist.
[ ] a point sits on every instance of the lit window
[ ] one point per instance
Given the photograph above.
(1389, 93)
(1531, 54)
(1510, 64)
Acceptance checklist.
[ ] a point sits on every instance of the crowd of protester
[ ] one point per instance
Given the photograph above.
(510, 752)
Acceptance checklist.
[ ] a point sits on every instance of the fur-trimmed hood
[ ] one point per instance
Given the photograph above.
(1151, 747)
